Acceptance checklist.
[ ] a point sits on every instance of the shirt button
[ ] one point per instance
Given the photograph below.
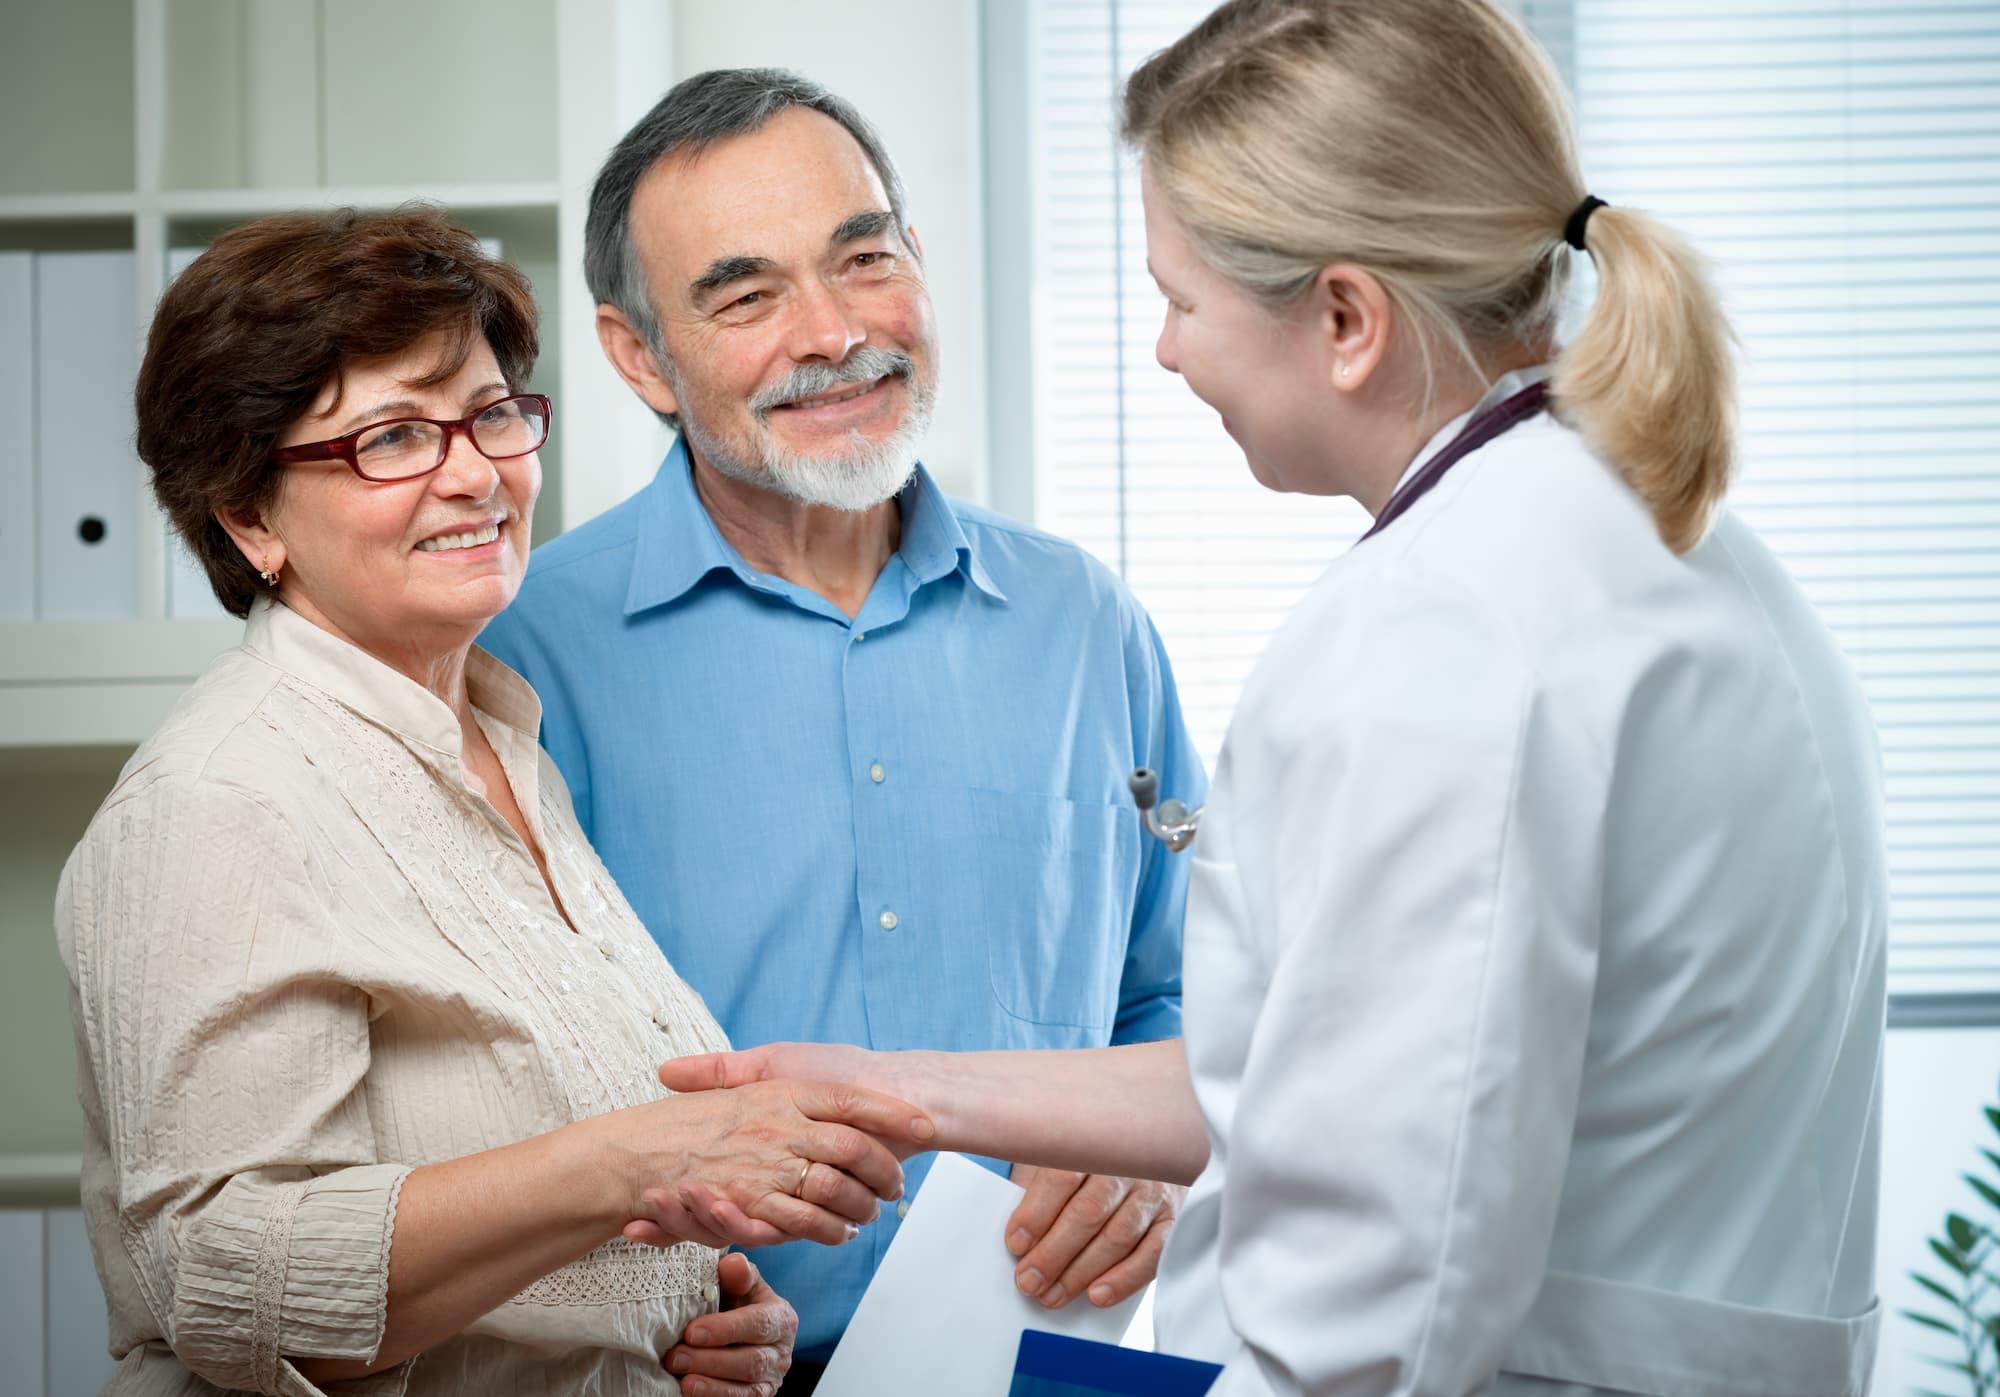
(888, 921)
(903, 1208)
(878, 773)
(861, 635)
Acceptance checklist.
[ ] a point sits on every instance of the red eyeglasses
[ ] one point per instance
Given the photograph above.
(404, 448)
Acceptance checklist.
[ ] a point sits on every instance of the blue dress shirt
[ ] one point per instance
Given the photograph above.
(909, 829)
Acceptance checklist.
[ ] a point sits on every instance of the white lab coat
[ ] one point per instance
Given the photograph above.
(1534, 968)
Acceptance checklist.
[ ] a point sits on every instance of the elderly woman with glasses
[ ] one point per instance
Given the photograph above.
(367, 1032)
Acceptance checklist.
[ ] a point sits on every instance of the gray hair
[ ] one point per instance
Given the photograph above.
(694, 115)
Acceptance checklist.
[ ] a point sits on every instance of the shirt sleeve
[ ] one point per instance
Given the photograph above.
(228, 1058)
(1422, 898)
(1149, 990)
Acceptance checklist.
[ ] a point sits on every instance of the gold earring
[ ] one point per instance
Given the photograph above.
(270, 578)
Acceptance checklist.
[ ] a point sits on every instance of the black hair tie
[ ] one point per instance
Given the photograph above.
(1573, 230)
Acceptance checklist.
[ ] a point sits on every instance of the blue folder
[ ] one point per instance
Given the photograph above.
(1053, 1365)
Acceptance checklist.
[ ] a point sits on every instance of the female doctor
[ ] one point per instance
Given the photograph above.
(1535, 942)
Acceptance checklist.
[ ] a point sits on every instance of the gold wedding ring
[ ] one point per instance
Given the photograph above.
(800, 1191)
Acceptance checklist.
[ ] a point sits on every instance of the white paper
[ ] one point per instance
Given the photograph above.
(942, 1314)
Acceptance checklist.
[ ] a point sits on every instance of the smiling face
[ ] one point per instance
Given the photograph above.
(1267, 373)
(801, 353)
(409, 570)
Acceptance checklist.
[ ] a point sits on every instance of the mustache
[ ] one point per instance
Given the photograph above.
(809, 380)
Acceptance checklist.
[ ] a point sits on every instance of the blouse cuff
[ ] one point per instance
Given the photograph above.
(294, 1270)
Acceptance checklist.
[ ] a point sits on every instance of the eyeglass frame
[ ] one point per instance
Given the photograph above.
(341, 448)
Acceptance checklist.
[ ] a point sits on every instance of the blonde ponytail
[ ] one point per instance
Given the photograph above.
(1430, 142)
(1648, 380)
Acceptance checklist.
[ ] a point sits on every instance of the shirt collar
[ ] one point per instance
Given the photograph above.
(391, 700)
(678, 543)
(1505, 387)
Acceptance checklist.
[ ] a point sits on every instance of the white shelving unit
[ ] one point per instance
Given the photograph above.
(184, 117)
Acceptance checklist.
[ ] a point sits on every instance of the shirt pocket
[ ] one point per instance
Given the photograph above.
(1059, 881)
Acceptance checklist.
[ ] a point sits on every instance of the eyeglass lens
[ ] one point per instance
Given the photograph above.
(510, 427)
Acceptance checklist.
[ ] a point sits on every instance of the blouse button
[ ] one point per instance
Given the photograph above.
(711, 1294)
(607, 950)
(660, 1021)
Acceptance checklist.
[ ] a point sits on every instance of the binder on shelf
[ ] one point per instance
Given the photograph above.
(87, 479)
(189, 597)
(17, 437)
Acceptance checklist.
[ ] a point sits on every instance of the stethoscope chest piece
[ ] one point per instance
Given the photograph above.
(1169, 821)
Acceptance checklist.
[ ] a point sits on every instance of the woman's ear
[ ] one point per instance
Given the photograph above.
(255, 539)
(1355, 315)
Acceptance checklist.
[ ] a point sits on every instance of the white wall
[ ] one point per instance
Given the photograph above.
(1934, 1084)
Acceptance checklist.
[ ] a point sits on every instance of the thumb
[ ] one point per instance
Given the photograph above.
(737, 1274)
(710, 1071)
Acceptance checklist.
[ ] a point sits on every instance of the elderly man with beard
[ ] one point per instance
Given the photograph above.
(855, 751)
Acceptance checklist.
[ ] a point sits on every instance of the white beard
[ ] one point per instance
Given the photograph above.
(858, 478)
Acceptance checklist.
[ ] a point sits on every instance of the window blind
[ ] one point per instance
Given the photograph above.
(1840, 165)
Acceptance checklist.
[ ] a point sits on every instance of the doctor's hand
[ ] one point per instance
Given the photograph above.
(744, 1350)
(1093, 1234)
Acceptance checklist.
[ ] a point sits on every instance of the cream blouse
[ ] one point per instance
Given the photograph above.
(307, 955)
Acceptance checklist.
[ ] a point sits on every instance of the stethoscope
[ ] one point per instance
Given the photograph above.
(1171, 821)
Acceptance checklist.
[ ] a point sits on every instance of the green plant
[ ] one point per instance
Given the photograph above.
(1970, 1251)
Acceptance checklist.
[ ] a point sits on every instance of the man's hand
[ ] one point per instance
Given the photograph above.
(746, 1349)
(1089, 1234)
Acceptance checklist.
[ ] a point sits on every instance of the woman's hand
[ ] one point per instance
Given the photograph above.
(790, 1160)
(746, 1349)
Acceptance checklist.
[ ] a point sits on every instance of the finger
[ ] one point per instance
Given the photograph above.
(1130, 1229)
(871, 1111)
(671, 1221)
(650, 1233)
(710, 1071)
(797, 1218)
(852, 1151)
(1047, 1191)
(1136, 1271)
(826, 1187)
(768, 1325)
(1095, 1202)
(699, 1384)
(724, 1218)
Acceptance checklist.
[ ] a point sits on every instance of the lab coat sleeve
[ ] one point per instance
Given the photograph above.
(1430, 901)
(228, 1064)
(1149, 989)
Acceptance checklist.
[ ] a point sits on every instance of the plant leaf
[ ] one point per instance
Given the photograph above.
(1984, 1190)
(1932, 1322)
(1964, 1235)
(1934, 1288)
(1993, 1159)
(1950, 1257)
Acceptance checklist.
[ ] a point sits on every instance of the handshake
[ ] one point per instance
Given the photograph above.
(735, 1159)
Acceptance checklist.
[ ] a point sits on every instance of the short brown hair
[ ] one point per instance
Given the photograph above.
(247, 338)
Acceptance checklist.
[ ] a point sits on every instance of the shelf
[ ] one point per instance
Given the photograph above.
(59, 652)
(40, 1180)
(99, 683)
(234, 204)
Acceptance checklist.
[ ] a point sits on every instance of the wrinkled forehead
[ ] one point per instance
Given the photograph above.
(777, 194)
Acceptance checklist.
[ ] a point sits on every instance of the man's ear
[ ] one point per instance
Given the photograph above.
(916, 243)
(1355, 317)
(633, 358)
